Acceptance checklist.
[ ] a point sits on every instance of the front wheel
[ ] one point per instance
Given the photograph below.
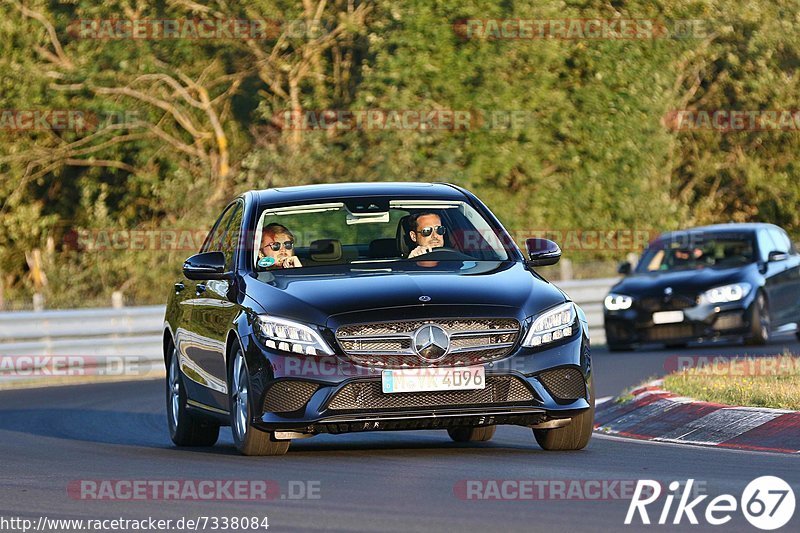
(614, 347)
(185, 428)
(760, 322)
(575, 436)
(248, 439)
(676, 345)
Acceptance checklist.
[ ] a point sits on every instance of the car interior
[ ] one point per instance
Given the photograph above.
(333, 251)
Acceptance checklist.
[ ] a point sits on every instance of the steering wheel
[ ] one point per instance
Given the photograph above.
(443, 250)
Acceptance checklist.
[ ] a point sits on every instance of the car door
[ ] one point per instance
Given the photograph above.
(790, 276)
(775, 279)
(215, 309)
(192, 337)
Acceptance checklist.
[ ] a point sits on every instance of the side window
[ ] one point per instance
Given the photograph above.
(212, 243)
(229, 240)
(765, 245)
(781, 240)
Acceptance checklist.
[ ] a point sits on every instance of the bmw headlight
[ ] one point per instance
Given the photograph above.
(555, 324)
(727, 293)
(617, 302)
(289, 336)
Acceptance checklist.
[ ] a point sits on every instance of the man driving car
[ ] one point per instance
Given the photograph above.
(427, 233)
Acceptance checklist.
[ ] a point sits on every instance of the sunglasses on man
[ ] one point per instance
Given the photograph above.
(277, 246)
(428, 231)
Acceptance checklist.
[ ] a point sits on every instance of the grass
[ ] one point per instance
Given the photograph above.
(753, 381)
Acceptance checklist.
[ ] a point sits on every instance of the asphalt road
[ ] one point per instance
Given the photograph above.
(50, 439)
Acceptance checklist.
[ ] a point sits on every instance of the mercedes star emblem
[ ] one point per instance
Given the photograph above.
(424, 298)
(431, 343)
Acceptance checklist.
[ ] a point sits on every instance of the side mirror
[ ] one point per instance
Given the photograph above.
(625, 268)
(776, 256)
(542, 252)
(207, 265)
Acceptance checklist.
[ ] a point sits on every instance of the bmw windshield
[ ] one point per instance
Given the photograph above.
(697, 251)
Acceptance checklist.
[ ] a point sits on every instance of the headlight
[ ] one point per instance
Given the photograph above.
(288, 336)
(552, 325)
(727, 293)
(617, 302)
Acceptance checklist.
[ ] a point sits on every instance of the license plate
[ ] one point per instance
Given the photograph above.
(433, 379)
(667, 317)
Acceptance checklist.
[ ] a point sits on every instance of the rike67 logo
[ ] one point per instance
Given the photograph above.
(767, 503)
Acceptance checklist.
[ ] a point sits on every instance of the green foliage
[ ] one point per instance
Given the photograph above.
(566, 134)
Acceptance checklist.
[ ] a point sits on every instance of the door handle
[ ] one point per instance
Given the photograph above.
(201, 287)
(179, 286)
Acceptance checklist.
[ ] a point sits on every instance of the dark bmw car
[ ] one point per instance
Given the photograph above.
(722, 282)
(355, 307)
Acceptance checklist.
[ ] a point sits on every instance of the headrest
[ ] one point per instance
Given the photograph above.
(383, 248)
(402, 240)
(326, 250)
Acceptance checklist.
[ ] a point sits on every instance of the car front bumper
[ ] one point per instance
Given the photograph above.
(302, 396)
(700, 323)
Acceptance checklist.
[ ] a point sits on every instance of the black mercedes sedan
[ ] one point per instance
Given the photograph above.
(361, 307)
(722, 282)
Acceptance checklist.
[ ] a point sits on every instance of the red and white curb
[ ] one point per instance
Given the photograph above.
(658, 415)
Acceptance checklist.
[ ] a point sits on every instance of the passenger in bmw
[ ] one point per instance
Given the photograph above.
(277, 248)
(427, 233)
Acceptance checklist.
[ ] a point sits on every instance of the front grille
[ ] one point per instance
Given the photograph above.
(668, 332)
(676, 302)
(369, 395)
(389, 344)
(287, 396)
(564, 383)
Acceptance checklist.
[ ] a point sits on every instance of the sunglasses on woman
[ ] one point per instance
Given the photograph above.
(277, 246)
(426, 232)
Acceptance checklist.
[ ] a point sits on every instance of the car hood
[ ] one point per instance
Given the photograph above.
(339, 294)
(681, 282)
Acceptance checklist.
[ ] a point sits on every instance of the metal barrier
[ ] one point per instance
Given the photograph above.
(137, 330)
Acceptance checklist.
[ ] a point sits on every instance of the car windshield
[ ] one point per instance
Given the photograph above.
(362, 231)
(696, 251)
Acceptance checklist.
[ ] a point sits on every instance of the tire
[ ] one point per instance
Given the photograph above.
(471, 434)
(185, 428)
(248, 439)
(676, 345)
(760, 322)
(575, 436)
(619, 347)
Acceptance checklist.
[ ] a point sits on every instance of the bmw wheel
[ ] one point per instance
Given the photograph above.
(185, 428)
(760, 322)
(248, 439)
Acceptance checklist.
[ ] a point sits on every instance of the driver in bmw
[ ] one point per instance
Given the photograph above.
(428, 233)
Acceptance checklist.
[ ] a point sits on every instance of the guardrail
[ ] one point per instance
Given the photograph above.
(137, 330)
